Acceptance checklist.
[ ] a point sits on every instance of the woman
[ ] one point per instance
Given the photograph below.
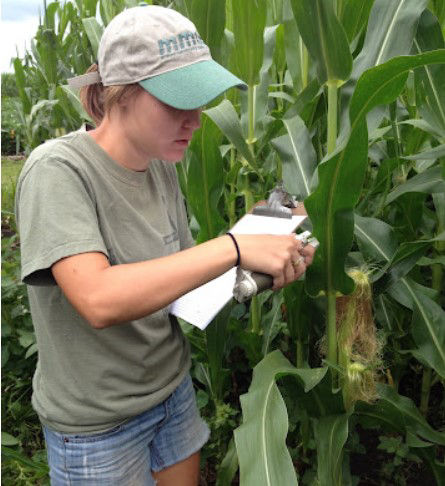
(105, 250)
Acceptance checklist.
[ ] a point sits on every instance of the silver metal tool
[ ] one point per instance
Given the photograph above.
(279, 205)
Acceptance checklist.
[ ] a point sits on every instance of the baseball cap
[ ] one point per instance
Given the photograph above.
(161, 50)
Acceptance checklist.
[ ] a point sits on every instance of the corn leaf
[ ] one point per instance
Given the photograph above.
(293, 45)
(382, 84)
(94, 32)
(49, 15)
(398, 413)
(66, 14)
(205, 180)
(426, 262)
(75, 102)
(21, 86)
(429, 338)
(228, 467)
(249, 21)
(430, 80)
(376, 238)
(262, 91)
(331, 433)
(47, 46)
(431, 154)
(271, 323)
(224, 115)
(87, 8)
(9, 440)
(383, 40)
(107, 11)
(279, 58)
(297, 155)
(70, 116)
(439, 206)
(354, 16)
(438, 8)
(425, 126)
(42, 105)
(430, 181)
(305, 102)
(401, 292)
(132, 3)
(22, 459)
(403, 260)
(215, 337)
(325, 39)
(210, 18)
(297, 321)
(261, 439)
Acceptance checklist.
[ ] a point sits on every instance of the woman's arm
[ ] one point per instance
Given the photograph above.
(106, 295)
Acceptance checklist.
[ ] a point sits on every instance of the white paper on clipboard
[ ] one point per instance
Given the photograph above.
(201, 305)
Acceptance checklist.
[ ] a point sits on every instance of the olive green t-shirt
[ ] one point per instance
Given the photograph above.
(73, 198)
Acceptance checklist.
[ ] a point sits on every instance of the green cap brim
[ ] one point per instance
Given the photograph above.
(192, 86)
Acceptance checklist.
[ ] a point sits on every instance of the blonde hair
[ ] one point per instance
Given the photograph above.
(98, 99)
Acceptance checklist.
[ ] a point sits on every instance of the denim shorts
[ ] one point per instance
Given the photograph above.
(126, 455)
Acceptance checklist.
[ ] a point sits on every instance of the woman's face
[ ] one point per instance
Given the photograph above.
(157, 130)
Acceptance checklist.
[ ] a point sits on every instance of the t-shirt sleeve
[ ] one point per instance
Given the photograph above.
(57, 218)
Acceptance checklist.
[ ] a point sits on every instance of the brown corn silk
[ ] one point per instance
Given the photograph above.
(359, 349)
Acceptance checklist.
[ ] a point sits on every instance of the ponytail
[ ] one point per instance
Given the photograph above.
(98, 99)
(92, 98)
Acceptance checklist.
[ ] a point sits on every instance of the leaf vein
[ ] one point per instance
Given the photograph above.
(391, 26)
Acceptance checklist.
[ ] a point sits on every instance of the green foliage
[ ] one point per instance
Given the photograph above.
(325, 39)
(400, 454)
(10, 172)
(11, 143)
(249, 20)
(18, 344)
(9, 88)
(209, 18)
(19, 469)
(21, 434)
(23, 454)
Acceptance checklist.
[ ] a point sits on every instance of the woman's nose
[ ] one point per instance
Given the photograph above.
(193, 119)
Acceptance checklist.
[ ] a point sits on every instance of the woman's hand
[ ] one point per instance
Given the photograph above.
(284, 257)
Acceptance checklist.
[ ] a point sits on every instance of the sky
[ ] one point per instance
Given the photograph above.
(19, 22)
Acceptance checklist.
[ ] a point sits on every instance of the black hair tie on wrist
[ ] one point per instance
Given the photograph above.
(238, 259)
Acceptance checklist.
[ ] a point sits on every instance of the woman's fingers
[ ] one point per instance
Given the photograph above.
(299, 264)
(284, 257)
(293, 270)
(308, 252)
(285, 277)
(300, 261)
